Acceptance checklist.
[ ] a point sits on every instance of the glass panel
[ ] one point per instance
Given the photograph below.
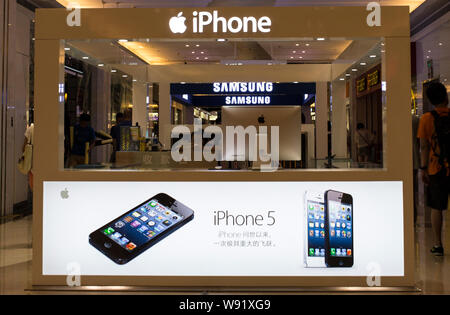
(146, 104)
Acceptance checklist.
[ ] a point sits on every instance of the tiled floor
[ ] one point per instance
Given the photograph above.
(432, 273)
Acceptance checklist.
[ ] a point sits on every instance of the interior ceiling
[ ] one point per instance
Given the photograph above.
(177, 52)
(413, 4)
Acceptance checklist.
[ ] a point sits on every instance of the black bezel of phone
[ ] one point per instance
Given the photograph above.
(121, 256)
(334, 261)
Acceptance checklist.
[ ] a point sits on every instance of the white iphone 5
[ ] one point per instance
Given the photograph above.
(314, 230)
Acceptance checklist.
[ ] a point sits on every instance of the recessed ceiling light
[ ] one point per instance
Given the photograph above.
(320, 38)
(354, 70)
(440, 44)
(134, 80)
(292, 57)
(221, 40)
(303, 51)
(428, 57)
(295, 82)
(197, 57)
(85, 57)
(187, 45)
(269, 63)
(113, 70)
(182, 82)
(100, 64)
(197, 45)
(67, 48)
(341, 79)
(297, 45)
(124, 76)
(347, 74)
(363, 63)
(123, 40)
(193, 52)
(206, 58)
(382, 44)
(294, 51)
(300, 57)
(307, 45)
(373, 56)
(202, 52)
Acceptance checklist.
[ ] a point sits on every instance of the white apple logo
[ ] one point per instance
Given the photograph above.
(176, 23)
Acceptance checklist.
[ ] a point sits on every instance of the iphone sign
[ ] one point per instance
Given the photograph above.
(203, 19)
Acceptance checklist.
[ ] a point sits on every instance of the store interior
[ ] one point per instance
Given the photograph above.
(317, 91)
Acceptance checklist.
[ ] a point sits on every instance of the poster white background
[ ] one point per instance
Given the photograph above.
(195, 250)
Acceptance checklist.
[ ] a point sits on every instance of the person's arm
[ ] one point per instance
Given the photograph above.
(424, 156)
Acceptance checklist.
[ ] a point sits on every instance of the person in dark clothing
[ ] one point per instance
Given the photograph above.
(434, 171)
(83, 133)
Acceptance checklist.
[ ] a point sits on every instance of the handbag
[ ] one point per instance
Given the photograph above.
(24, 164)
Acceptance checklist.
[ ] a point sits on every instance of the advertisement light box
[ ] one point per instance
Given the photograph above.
(223, 228)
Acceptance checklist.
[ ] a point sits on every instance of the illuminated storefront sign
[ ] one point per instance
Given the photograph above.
(200, 20)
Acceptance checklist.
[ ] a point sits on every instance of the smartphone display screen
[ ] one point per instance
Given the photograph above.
(141, 225)
(340, 231)
(316, 229)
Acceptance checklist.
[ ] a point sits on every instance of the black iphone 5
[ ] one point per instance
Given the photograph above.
(140, 228)
(338, 229)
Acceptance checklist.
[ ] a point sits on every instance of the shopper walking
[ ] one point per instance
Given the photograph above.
(434, 128)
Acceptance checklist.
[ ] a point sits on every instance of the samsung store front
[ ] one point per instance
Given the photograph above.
(225, 153)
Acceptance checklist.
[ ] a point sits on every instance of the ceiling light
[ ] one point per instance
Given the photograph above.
(341, 79)
(300, 57)
(100, 64)
(440, 44)
(373, 56)
(347, 74)
(197, 45)
(303, 51)
(363, 63)
(221, 40)
(297, 45)
(67, 48)
(320, 38)
(134, 80)
(123, 40)
(382, 44)
(113, 70)
(182, 82)
(202, 52)
(307, 45)
(197, 58)
(354, 70)
(186, 45)
(429, 51)
(295, 82)
(85, 57)
(206, 58)
(294, 51)
(124, 76)
(193, 52)
(292, 57)
(269, 63)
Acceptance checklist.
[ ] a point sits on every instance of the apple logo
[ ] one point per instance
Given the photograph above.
(64, 194)
(176, 23)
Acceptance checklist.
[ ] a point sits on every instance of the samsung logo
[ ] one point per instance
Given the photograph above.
(242, 87)
(247, 100)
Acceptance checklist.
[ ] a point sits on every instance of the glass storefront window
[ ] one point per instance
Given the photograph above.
(124, 99)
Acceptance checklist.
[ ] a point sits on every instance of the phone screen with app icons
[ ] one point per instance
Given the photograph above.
(340, 229)
(316, 229)
(141, 225)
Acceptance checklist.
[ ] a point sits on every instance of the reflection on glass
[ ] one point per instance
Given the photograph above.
(136, 92)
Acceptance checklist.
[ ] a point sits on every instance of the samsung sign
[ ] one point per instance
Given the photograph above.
(201, 20)
(244, 87)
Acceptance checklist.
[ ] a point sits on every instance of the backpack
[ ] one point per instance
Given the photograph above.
(442, 137)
